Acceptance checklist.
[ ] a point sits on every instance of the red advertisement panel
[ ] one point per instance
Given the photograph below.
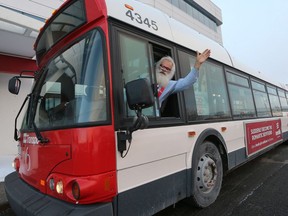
(259, 135)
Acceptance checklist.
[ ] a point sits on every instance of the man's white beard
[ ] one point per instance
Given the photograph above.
(162, 79)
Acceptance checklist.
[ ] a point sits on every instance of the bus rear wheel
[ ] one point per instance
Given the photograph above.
(207, 174)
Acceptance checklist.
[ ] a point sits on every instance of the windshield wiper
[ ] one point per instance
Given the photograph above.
(30, 115)
(40, 138)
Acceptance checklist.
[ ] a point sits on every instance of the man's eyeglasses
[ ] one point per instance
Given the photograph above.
(165, 68)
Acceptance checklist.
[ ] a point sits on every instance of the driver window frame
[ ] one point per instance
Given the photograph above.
(152, 47)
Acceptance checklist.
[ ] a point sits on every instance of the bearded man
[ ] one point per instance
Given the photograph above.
(165, 70)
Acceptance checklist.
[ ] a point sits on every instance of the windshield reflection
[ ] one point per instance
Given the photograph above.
(74, 88)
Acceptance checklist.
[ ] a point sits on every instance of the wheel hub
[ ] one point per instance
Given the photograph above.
(206, 174)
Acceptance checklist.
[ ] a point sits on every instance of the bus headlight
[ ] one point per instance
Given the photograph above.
(59, 187)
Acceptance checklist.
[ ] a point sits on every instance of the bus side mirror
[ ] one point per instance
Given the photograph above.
(14, 85)
(139, 94)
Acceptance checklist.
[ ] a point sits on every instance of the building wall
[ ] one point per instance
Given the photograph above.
(38, 8)
(10, 105)
(209, 9)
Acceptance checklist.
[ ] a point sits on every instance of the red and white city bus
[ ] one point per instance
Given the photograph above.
(86, 146)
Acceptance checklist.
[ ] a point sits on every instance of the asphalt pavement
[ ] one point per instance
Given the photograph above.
(4, 205)
(5, 169)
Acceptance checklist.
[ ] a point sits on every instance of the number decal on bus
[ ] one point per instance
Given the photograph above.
(139, 19)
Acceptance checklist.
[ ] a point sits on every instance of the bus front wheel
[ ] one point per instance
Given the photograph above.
(207, 174)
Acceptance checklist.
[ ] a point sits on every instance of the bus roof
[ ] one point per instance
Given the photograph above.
(174, 31)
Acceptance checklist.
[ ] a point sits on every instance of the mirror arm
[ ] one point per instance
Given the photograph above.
(124, 136)
(16, 138)
(137, 124)
(27, 71)
(25, 77)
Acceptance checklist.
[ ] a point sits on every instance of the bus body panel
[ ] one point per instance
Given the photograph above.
(147, 160)
(155, 23)
(93, 150)
(85, 154)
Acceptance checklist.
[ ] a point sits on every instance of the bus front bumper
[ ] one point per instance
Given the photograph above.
(24, 200)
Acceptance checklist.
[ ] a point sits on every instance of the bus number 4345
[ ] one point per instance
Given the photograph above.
(143, 21)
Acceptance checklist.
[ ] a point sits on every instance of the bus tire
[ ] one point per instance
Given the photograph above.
(207, 174)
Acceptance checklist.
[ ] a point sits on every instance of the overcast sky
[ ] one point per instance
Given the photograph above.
(256, 33)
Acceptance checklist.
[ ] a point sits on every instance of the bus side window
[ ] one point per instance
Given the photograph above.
(274, 101)
(208, 97)
(261, 99)
(134, 65)
(240, 95)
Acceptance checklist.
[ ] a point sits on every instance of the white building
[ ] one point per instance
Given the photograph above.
(202, 15)
(20, 22)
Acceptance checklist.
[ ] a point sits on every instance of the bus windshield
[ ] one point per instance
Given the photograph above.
(72, 87)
